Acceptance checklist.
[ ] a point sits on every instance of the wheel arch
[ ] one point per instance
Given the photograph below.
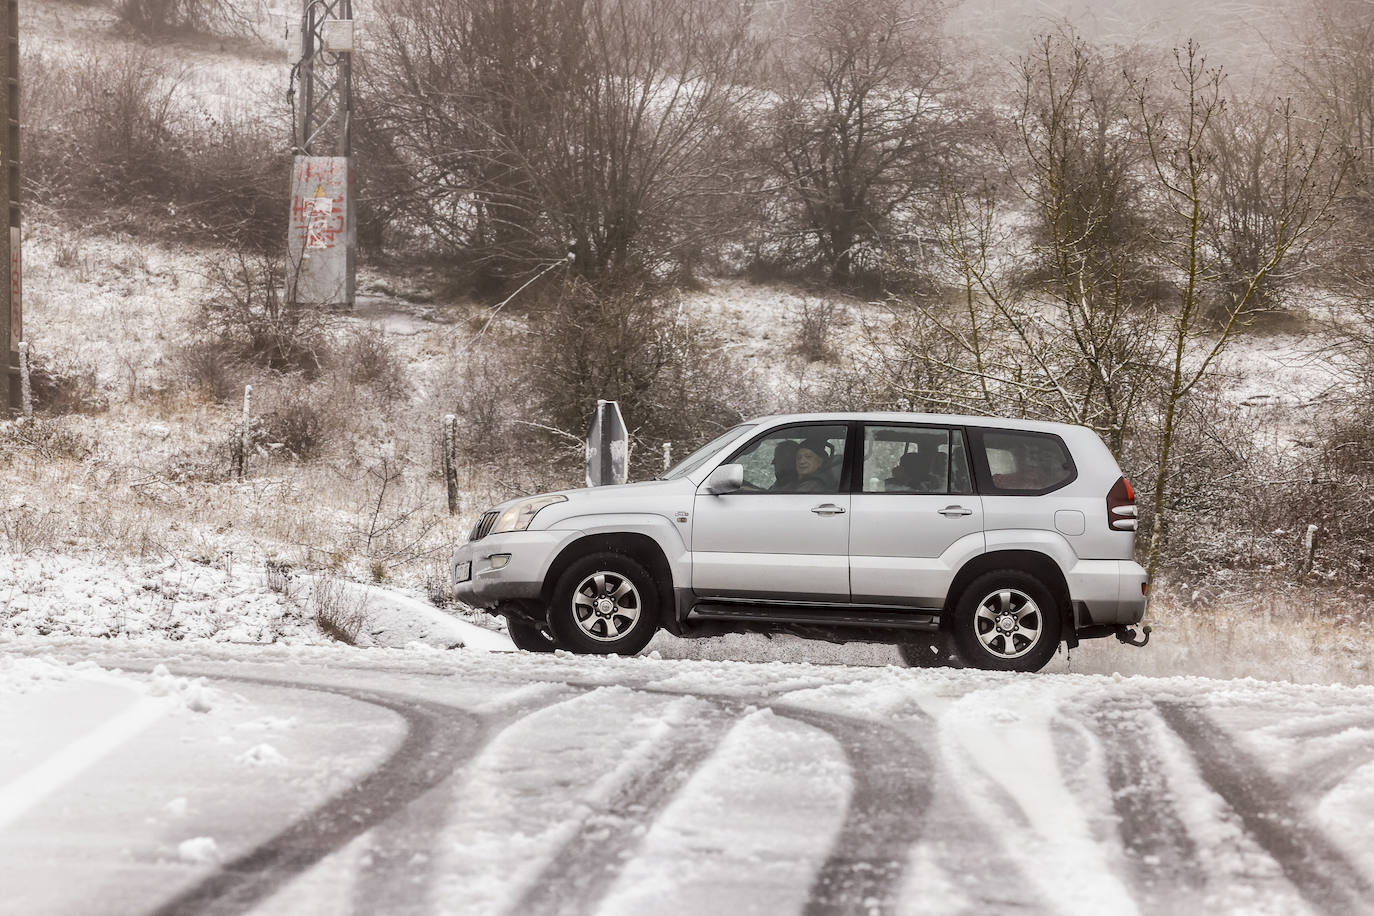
(1040, 565)
(640, 547)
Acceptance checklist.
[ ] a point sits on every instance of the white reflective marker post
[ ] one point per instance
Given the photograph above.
(608, 446)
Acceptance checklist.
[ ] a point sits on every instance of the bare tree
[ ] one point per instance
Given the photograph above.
(606, 127)
(1054, 322)
(864, 127)
(1178, 122)
(1250, 144)
(1077, 164)
(1335, 66)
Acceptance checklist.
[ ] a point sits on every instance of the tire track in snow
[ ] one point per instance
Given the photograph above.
(1159, 850)
(438, 740)
(1313, 864)
(405, 842)
(1328, 773)
(581, 873)
(1324, 727)
(892, 776)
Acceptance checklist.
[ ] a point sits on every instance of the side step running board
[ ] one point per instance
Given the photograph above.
(824, 616)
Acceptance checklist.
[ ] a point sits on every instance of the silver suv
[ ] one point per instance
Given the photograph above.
(961, 539)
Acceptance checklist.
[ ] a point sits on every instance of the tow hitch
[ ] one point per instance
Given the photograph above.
(1127, 636)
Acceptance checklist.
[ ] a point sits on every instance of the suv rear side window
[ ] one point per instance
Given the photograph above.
(915, 459)
(1021, 463)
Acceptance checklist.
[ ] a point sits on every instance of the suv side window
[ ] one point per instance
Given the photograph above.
(915, 459)
(794, 459)
(1021, 463)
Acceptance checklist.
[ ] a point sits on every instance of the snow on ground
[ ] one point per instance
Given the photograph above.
(563, 784)
(168, 599)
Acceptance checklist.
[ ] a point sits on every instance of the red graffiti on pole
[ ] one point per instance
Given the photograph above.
(317, 216)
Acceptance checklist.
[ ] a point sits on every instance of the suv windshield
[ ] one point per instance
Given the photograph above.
(694, 460)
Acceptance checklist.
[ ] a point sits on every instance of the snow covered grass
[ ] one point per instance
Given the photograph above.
(100, 502)
(227, 600)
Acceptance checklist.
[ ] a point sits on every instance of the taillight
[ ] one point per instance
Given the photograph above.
(1121, 506)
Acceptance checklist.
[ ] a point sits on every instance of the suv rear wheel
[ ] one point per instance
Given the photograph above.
(1007, 620)
(604, 603)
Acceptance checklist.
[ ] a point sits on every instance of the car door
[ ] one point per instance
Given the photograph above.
(784, 536)
(914, 516)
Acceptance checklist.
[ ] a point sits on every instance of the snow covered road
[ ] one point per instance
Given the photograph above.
(148, 778)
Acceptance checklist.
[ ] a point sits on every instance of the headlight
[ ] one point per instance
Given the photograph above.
(519, 516)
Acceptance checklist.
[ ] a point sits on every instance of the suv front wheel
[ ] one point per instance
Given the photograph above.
(604, 603)
(1007, 620)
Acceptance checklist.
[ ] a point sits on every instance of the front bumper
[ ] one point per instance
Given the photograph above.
(505, 567)
(1110, 589)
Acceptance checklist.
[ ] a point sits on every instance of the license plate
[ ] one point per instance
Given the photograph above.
(462, 572)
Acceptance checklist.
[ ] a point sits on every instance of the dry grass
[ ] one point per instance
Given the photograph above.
(338, 611)
(1260, 630)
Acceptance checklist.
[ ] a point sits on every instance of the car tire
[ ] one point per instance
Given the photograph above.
(529, 637)
(930, 650)
(1007, 620)
(603, 604)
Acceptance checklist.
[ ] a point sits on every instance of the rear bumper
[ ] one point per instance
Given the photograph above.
(1111, 591)
(505, 567)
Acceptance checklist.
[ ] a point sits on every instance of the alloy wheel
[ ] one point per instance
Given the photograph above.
(606, 606)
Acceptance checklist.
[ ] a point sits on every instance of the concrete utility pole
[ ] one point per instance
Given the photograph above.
(12, 322)
(322, 239)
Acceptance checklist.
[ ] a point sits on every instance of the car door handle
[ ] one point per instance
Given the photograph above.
(829, 509)
(954, 511)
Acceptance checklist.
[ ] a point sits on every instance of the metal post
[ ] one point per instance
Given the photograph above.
(608, 446)
(322, 239)
(11, 324)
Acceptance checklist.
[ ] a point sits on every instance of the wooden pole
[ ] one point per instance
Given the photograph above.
(241, 452)
(450, 465)
(25, 388)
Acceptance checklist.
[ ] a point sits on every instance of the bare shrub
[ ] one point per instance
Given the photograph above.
(368, 358)
(25, 529)
(1327, 481)
(64, 387)
(50, 439)
(489, 395)
(107, 136)
(232, 188)
(299, 423)
(211, 464)
(339, 612)
(500, 427)
(673, 377)
(161, 17)
(204, 367)
(99, 124)
(396, 516)
(815, 320)
(247, 312)
(279, 575)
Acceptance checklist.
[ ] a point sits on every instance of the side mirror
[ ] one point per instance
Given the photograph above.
(725, 479)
